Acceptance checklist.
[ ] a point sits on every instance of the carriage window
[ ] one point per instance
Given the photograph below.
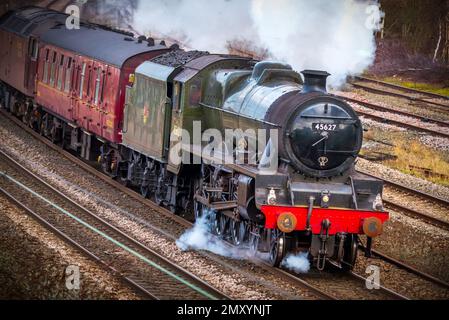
(83, 76)
(60, 72)
(89, 82)
(53, 69)
(33, 49)
(30, 47)
(97, 86)
(46, 65)
(68, 75)
(105, 77)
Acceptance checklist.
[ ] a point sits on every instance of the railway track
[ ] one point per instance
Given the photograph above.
(387, 292)
(417, 214)
(432, 203)
(152, 275)
(407, 267)
(349, 286)
(443, 204)
(400, 92)
(404, 124)
(334, 286)
(377, 107)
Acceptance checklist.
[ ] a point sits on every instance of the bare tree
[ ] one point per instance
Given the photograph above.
(445, 51)
(420, 24)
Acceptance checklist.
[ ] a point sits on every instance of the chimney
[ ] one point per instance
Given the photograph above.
(315, 81)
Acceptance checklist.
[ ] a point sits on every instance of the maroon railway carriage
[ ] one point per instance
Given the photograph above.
(19, 31)
(77, 77)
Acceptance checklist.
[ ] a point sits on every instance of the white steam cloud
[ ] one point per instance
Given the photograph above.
(201, 238)
(297, 263)
(332, 35)
(201, 24)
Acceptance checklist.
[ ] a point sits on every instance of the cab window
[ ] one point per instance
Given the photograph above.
(195, 94)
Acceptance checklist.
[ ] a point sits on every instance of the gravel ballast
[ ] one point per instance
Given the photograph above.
(33, 264)
(404, 179)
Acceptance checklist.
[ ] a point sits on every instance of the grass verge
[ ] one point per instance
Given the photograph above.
(427, 87)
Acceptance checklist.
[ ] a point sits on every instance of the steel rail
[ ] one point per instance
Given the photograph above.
(391, 110)
(406, 189)
(410, 90)
(142, 200)
(295, 279)
(391, 121)
(384, 289)
(190, 279)
(439, 106)
(351, 274)
(407, 267)
(419, 215)
(128, 281)
(409, 211)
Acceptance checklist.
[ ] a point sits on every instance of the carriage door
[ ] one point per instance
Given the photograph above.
(31, 64)
(95, 124)
(103, 102)
(74, 91)
(69, 85)
(82, 109)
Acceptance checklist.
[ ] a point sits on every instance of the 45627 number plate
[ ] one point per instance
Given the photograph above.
(324, 127)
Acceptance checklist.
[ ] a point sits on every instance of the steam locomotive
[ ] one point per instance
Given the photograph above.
(125, 103)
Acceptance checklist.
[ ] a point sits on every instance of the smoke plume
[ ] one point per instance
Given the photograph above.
(297, 263)
(200, 24)
(332, 35)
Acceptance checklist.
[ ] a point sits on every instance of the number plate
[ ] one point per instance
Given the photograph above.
(324, 127)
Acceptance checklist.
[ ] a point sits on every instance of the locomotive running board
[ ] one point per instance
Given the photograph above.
(198, 151)
(216, 206)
